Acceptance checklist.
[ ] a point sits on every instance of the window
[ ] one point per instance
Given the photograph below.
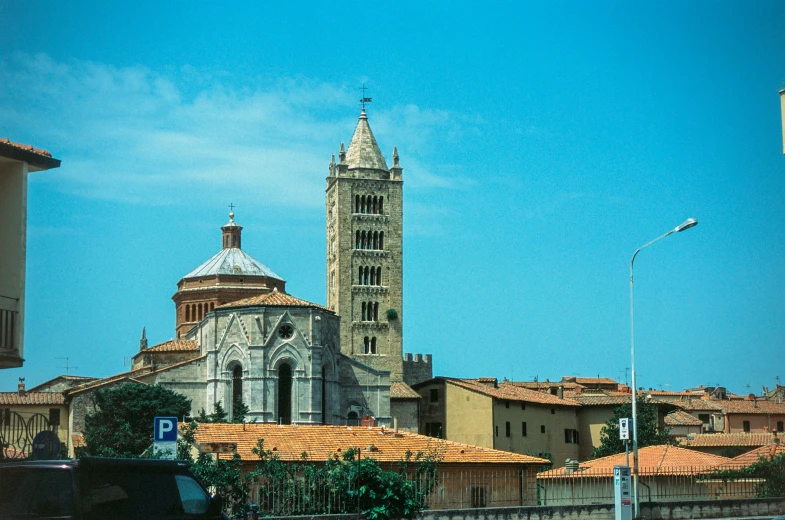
(478, 496)
(187, 313)
(523, 406)
(523, 429)
(286, 331)
(746, 426)
(507, 429)
(542, 428)
(704, 417)
(506, 404)
(54, 417)
(434, 395)
(780, 426)
(433, 429)
(571, 436)
(553, 411)
(497, 430)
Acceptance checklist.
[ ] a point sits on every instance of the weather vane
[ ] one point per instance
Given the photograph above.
(364, 99)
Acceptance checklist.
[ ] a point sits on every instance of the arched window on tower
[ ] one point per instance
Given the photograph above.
(365, 277)
(376, 311)
(381, 205)
(187, 313)
(237, 387)
(200, 312)
(375, 201)
(373, 276)
(212, 306)
(381, 240)
(366, 345)
(356, 203)
(360, 278)
(234, 240)
(362, 240)
(357, 240)
(365, 312)
(376, 240)
(362, 204)
(373, 345)
(285, 394)
(378, 276)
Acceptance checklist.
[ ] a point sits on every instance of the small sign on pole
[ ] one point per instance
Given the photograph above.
(165, 437)
(624, 429)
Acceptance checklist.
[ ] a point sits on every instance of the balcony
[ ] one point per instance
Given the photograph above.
(9, 339)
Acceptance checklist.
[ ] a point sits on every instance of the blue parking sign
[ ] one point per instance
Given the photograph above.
(165, 429)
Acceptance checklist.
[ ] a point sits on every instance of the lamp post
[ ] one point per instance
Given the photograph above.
(687, 224)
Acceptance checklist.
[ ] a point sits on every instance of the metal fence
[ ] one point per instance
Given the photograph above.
(307, 495)
(588, 486)
(17, 433)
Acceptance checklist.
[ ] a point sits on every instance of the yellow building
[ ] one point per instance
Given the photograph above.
(501, 416)
(24, 415)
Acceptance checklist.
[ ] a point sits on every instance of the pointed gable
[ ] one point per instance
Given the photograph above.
(363, 151)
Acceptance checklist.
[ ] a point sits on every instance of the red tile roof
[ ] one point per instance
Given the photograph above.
(750, 407)
(510, 392)
(26, 147)
(31, 398)
(175, 345)
(694, 405)
(320, 442)
(701, 440)
(652, 460)
(400, 390)
(272, 299)
(745, 459)
(589, 381)
(682, 418)
(613, 399)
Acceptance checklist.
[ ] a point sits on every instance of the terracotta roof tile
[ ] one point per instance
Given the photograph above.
(701, 440)
(745, 459)
(13, 398)
(272, 299)
(321, 442)
(589, 381)
(510, 392)
(26, 147)
(682, 418)
(601, 400)
(544, 386)
(695, 405)
(400, 390)
(175, 345)
(652, 460)
(750, 407)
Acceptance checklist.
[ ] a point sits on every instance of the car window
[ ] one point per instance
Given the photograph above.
(195, 501)
(125, 494)
(36, 493)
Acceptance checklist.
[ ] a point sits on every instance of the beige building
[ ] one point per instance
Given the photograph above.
(25, 414)
(16, 161)
(501, 416)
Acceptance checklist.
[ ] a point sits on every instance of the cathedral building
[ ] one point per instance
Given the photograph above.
(241, 337)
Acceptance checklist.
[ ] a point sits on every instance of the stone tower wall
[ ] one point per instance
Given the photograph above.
(417, 369)
(345, 295)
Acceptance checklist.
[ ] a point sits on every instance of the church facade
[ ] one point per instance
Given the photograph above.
(240, 337)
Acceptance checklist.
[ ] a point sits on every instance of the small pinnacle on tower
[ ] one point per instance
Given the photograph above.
(395, 157)
(143, 341)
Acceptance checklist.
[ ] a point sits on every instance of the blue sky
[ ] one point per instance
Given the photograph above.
(542, 144)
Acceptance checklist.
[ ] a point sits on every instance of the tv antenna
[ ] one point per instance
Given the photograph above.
(67, 367)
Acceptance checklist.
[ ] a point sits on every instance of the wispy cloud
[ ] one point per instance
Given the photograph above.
(140, 136)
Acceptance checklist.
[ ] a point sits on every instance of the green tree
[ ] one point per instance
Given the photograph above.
(649, 433)
(768, 473)
(122, 424)
(239, 411)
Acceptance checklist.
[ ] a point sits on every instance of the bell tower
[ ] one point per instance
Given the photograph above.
(365, 251)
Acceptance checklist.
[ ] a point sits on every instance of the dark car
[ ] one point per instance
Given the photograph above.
(104, 489)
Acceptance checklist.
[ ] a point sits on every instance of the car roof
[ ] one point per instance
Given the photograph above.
(174, 466)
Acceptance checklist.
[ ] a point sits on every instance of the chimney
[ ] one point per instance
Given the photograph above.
(571, 465)
(560, 392)
(21, 387)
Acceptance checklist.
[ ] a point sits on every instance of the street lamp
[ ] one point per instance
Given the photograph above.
(687, 224)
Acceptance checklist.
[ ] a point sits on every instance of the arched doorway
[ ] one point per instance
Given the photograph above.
(237, 387)
(285, 393)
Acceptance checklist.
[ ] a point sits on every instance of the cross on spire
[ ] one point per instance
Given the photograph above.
(364, 100)
(231, 207)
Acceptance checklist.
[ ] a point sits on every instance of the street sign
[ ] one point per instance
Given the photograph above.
(165, 429)
(624, 429)
(165, 437)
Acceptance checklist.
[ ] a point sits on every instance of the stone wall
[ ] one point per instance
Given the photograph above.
(417, 369)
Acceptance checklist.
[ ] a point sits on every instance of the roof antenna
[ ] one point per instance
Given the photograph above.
(364, 100)
(67, 367)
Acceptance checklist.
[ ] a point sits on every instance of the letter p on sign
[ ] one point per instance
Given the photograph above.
(165, 429)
